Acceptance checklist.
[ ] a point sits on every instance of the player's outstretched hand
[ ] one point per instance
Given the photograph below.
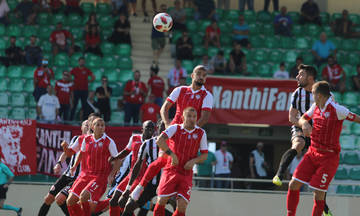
(174, 159)
(189, 165)
(57, 169)
(306, 127)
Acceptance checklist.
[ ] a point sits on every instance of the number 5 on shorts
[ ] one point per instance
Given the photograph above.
(324, 178)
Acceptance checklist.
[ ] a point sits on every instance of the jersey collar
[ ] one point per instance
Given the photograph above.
(202, 88)
(182, 127)
(103, 137)
(326, 104)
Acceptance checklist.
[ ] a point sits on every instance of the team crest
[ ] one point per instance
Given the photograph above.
(327, 114)
(192, 96)
(197, 97)
(100, 144)
(195, 136)
(189, 136)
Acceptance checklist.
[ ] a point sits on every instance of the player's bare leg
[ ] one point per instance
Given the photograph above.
(73, 205)
(48, 200)
(159, 209)
(319, 203)
(181, 207)
(61, 201)
(85, 204)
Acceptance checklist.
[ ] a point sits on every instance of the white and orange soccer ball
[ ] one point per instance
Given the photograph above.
(162, 22)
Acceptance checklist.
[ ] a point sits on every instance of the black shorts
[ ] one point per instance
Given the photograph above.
(60, 184)
(297, 132)
(148, 193)
(66, 189)
(3, 192)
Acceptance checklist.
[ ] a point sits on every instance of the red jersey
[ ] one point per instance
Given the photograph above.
(186, 145)
(96, 154)
(81, 75)
(42, 77)
(185, 96)
(72, 3)
(135, 98)
(334, 73)
(327, 125)
(92, 39)
(63, 91)
(157, 86)
(212, 32)
(55, 4)
(150, 112)
(59, 37)
(133, 145)
(75, 147)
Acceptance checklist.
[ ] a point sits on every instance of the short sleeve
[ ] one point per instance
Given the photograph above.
(57, 103)
(341, 111)
(174, 95)
(143, 150)
(170, 131)
(314, 47)
(231, 158)
(309, 114)
(128, 146)
(204, 144)
(112, 149)
(75, 145)
(294, 97)
(83, 145)
(73, 140)
(208, 102)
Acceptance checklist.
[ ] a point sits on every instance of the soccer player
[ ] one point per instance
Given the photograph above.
(320, 163)
(132, 147)
(186, 140)
(64, 180)
(6, 177)
(92, 181)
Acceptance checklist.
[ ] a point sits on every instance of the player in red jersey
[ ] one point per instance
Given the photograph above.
(132, 147)
(195, 96)
(186, 140)
(93, 179)
(321, 161)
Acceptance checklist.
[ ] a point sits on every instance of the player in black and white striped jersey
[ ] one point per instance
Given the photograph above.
(123, 172)
(59, 190)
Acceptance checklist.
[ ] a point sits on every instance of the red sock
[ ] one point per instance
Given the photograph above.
(153, 170)
(159, 210)
(101, 205)
(86, 208)
(114, 210)
(177, 213)
(292, 202)
(318, 207)
(75, 210)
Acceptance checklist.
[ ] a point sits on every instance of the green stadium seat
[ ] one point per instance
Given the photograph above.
(255, 28)
(125, 63)
(123, 50)
(107, 48)
(357, 190)
(117, 88)
(335, 16)
(4, 112)
(226, 40)
(351, 158)
(338, 97)
(106, 33)
(16, 85)
(290, 56)
(74, 59)
(294, 16)
(46, 46)
(12, 4)
(117, 117)
(31, 102)
(198, 51)
(14, 30)
(3, 85)
(265, 17)
(272, 42)
(355, 173)
(29, 86)
(114, 103)
(4, 99)
(30, 30)
(59, 17)
(350, 70)
(78, 33)
(126, 75)
(341, 174)
(268, 29)
(212, 51)
(337, 41)
(43, 18)
(308, 58)
(17, 100)
(106, 21)
(355, 129)
(302, 43)
(112, 74)
(74, 20)
(313, 30)
(251, 69)
(31, 114)
(351, 98)
(231, 15)
(189, 12)
(353, 58)
(325, 17)
(2, 30)
(175, 36)
(28, 72)
(61, 60)
(287, 43)
(87, 7)
(3, 71)
(225, 27)
(92, 60)
(94, 85)
(44, 32)
(203, 24)
(98, 73)
(264, 70)
(109, 62)
(354, 18)
(3, 44)
(327, 29)
(250, 16)
(103, 8)
(191, 26)
(14, 71)
(260, 55)
(220, 13)
(197, 40)
(344, 189)
(188, 65)
(298, 30)
(346, 129)
(257, 41)
(58, 72)
(17, 113)
(348, 44)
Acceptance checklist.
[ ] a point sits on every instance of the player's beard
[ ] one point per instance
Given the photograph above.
(302, 85)
(199, 83)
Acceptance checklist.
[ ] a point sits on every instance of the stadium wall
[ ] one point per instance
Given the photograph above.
(203, 203)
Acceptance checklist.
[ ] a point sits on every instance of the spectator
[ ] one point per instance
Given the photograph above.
(56, 6)
(295, 69)
(175, 74)
(356, 78)
(73, 6)
(241, 32)
(120, 7)
(275, 5)
(178, 15)
(58, 39)
(41, 6)
(343, 27)
(14, 54)
(134, 94)
(281, 73)
(205, 169)
(48, 106)
(250, 5)
(92, 22)
(218, 62)
(158, 39)
(257, 163)
(212, 35)
(223, 4)
(282, 23)
(322, 49)
(81, 85)
(150, 110)
(310, 13)
(205, 9)
(121, 33)
(25, 9)
(156, 85)
(103, 94)
(184, 46)
(237, 63)
(224, 160)
(64, 92)
(42, 78)
(335, 75)
(206, 62)
(93, 42)
(4, 10)
(33, 52)
(146, 15)
(132, 4)
(90, 106)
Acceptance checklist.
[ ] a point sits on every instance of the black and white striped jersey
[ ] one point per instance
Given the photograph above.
(149, 151)
(301, 100)
(121, 175)
(72, 161)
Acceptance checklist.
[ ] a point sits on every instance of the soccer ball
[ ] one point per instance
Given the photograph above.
(162, 22)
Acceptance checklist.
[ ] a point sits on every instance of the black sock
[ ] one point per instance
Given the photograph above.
(143, 212)
(44, 209)
(286, 159)
(168, 213)
(326, 207)
(64, 209)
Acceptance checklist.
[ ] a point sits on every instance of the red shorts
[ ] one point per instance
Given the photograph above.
(317, 169)
(122, 185)
(173, 183)
(95, 185)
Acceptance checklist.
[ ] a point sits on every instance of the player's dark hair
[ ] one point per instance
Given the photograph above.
(322, 87)
(94, 114)
(282, 64)
(310, 70)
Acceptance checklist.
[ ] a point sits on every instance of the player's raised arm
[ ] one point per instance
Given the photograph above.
(164, 112)
(293, 116)
(161, 142)
(125, 152)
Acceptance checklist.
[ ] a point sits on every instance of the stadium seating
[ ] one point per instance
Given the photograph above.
(354, 174)
(4, 99)
(17, 100)
(17, 113)
(341, 174)
(117, 117)
(344, 189)
(351, 158)
(4, 112)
